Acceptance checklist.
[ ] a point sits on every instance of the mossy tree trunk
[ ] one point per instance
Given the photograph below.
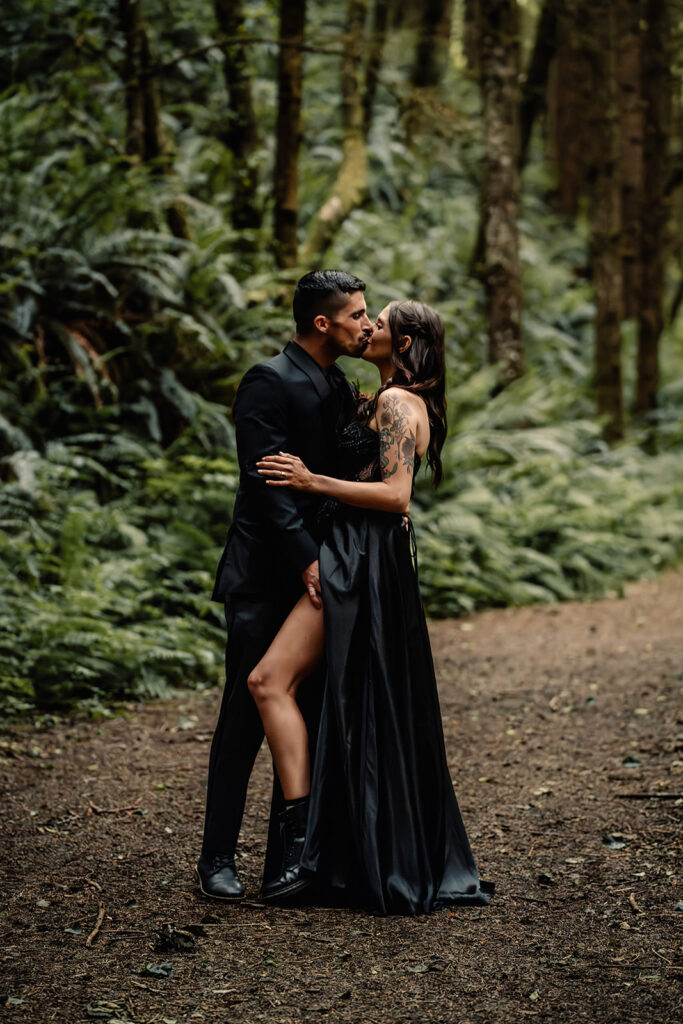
(657, 99)
(240, 135)
(433, 41)
(130, 14)
(499, 58)
(535, 87)
(381, 10)
(145, 137)
(470, 35)
(432, 28)
(599, 37)
(350, 186)
(533, 100)
(288, 132)
(629, 74)
(569, 99)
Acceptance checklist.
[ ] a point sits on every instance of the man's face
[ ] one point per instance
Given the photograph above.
(349, 329)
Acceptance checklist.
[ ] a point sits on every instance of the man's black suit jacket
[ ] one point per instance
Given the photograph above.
(285, 404)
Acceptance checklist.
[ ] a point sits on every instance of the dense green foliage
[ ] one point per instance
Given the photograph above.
(121, 346)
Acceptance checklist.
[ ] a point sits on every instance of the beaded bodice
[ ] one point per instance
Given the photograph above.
(358, 453)
(357, 459)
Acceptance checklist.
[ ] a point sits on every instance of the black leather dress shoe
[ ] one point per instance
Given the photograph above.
(291, 879)
(218, 877)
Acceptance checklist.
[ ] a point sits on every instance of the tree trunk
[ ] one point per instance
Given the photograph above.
(288, 132)
(657, 95)
(533, 97)
(535, 88)
(433, 31)
(599, 38)
(240, 135)
(145, 136)
(433, 41)
(130, 14)
(499, 57)
(470, 41)
(570, 97)
(378, 34)
(629, 73)
(351, 184)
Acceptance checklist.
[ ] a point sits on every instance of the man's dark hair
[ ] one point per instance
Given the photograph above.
(322, 292)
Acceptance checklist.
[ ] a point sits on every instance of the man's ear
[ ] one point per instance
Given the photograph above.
(406, 342)
(321, 323)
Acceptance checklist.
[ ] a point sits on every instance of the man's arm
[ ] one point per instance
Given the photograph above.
(260, 414)
(397, 422)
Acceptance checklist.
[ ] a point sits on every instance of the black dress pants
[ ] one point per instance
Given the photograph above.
(252, 621)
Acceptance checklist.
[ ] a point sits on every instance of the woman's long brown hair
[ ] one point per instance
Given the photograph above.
(421, 368)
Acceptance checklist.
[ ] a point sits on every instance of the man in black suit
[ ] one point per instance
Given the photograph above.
(294, 402)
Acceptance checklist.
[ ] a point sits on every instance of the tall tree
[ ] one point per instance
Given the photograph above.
(535, 87)
(570, 98)
(470, 29)
(599, 37)
(350, 187)
(240, 135)
(145, 136)
(433, 40)
(288, 131)
(373, 62)
(144, 131)
(629, 74)
(533, 99)
(499, 56)
(657, 99)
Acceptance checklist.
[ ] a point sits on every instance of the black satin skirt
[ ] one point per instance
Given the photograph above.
(384, 827)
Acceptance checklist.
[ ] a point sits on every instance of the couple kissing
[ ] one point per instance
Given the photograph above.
(328, 653)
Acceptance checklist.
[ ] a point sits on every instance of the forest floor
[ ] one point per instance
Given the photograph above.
(564, 734)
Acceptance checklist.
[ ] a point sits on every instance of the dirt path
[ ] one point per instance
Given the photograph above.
(552, 716)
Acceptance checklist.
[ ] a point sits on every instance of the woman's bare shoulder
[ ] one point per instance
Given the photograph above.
(392, 397)
(406, 403)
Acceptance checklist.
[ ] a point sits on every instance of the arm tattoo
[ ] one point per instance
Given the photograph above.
(395, 433)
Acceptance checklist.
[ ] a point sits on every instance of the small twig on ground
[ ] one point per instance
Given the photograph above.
(648, 796)
(112, 810)
(551, 899)
(634, 905)
(98, 924)
(91, 881)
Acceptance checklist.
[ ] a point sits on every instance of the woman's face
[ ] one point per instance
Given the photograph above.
(379, 348)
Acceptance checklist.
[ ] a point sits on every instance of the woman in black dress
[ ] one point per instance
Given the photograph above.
(374, 820)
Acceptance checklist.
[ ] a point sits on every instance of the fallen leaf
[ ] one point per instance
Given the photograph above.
(159, 970)
(613, 843)
(102, 1009)
(171, 939)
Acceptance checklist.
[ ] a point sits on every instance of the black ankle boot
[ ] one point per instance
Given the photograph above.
(291, 879)
(218, 877)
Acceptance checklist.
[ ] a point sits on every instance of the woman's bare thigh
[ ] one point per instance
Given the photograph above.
(298, 645)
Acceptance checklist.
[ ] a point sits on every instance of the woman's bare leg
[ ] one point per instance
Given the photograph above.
(296, 650)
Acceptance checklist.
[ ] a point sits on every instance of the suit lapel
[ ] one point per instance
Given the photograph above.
(308, 365)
